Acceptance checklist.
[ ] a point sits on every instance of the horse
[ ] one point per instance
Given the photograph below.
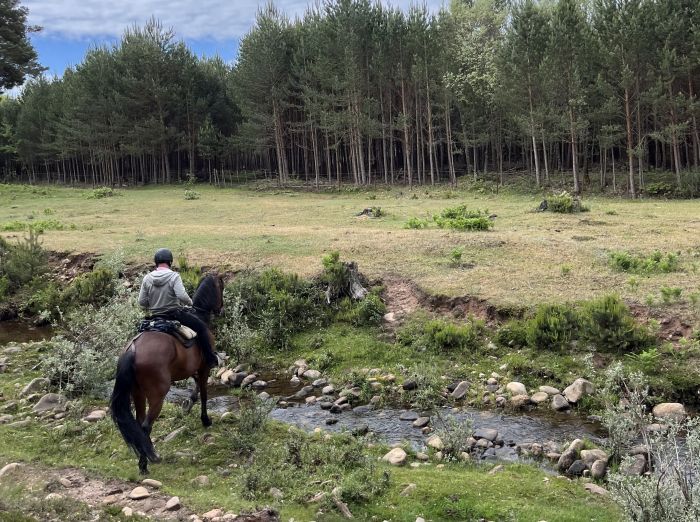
(147, 367)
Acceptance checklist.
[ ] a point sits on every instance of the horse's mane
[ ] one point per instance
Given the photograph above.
(206, 294)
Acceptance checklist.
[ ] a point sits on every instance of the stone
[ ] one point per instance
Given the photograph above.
(9, 468)
(311, 375)
(319, 383)
(595, 489)
(248, 380)
(139, 493)
(579, 388)
(501, 401)
(590, 456)
(559, 403)
(492, 381)
(310, 400)
(127, 511)
(496, 470)
(262, 396)
(408, 416)
(422, 456)
(486, 433)
(549, 390)
(408, 490)
(328, 390)
(640, 449)
(516, 388)
(173, 504)
(363, 409)
(396, 457)
(325, 405)
(390, 317)
(111, 499)
(410, 384)
(259, 384)
(170, 436)
(460, 391)
(519, 401)
(634, 467)
(420, 519)
(565, 461)
(575, 446)
(576, 469)
(598, 469)
(211, 515)
(157, 484)
(50, 402)
(539, 397)
(276, 493)
(66, 483)
(670, 411)
(35, 385)
(360, 431)
(226, 376)
(201, 480)
(304, 392)
(331, 421)
(435, 442)
(96, 415)
(421, 422)
(295, 381)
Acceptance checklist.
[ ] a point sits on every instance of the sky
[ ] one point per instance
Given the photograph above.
(209, 27)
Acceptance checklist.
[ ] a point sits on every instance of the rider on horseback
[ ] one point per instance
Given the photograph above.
(163, 295)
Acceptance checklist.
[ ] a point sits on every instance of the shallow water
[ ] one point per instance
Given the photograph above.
(21, 332)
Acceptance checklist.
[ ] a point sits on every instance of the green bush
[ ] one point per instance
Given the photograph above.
(608, 325)
(191, 275)
(553, 327)
(101, 193)
(367, 311)
(656, 262)
(659, 188)
(22, 261)
(565, 203)
(440, 335)
(513, 334)
(670, 294)
(37, 226)
(192, 194)
(461, 218)
(416, 223)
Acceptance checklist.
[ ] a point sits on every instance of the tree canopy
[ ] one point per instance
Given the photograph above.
(18, 59)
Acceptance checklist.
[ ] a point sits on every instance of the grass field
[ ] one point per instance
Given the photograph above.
(527, 257)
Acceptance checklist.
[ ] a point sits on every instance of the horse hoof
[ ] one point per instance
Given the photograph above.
(206, 422)
(154, 458)
(187, 405)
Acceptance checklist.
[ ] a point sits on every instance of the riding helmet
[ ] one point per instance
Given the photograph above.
(163, 255)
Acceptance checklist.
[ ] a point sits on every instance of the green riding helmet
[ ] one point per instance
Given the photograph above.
(163, 255)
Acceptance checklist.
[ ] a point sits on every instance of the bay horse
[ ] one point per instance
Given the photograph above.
(150, 363)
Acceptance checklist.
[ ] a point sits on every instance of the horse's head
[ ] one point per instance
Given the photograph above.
(209, 297)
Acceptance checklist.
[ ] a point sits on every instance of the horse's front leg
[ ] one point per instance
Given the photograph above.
(202, 381)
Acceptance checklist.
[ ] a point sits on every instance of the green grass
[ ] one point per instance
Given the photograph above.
(517, 262)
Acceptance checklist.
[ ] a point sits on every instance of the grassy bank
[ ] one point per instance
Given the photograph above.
(527, 257)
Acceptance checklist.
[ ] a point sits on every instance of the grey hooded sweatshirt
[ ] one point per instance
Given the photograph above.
(163, 291)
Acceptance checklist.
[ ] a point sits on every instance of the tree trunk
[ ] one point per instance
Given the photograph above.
(630, 145)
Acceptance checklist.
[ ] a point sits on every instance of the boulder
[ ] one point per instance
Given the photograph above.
(396, 457)
(200, 480)
(408, 416)
(549, 390)
(226, 375)
(50, 402)
(311, 375)
(237, 379)
(435, 442)
(636, 466)
(559, 403)
(516, 388)
(173, 504)
(157, 484)
(248, 380)
(319, 383)
(590, 456)
(304, 392)
(328, 390)
(211, 515)
(259, 384)
(598, 469)
(578, 389)
(539, 397)
(670, 411)
(95, 416)
(35, 385)
(461, 390)
(139, 493)
(595, 489)
(170, 436)
(575, 446)
(486, 433)
(408, 490)
(9, 468)
(518, 401)
(421, 422)
(576, 469)
(410, 384)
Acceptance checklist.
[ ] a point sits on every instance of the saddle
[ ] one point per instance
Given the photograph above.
(182, 333)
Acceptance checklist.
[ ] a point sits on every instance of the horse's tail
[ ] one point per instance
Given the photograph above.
(132, 433)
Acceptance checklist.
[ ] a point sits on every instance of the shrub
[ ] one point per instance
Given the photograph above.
(670, 294)
(454, 435)
(553, 327)
(609, 326)
(367, 311)
(456, 257)
(657, 262)
(192, 194)
(23, 261)
(659, 188)
(191, 275)
(84, 358)
(565, 203)
(416, 223)
(94, 288)
(101, 193)
(513, 334)
(442, 336)
(461, 218)
(233, 334)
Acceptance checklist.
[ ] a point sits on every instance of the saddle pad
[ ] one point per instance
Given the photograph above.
(186, 332)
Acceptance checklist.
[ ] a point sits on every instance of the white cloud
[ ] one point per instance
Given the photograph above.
(191, 19)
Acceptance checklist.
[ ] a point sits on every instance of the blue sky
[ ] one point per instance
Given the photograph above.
(209, 27)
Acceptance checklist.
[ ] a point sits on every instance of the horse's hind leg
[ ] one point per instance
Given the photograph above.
(202, 381)
(194, 397)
